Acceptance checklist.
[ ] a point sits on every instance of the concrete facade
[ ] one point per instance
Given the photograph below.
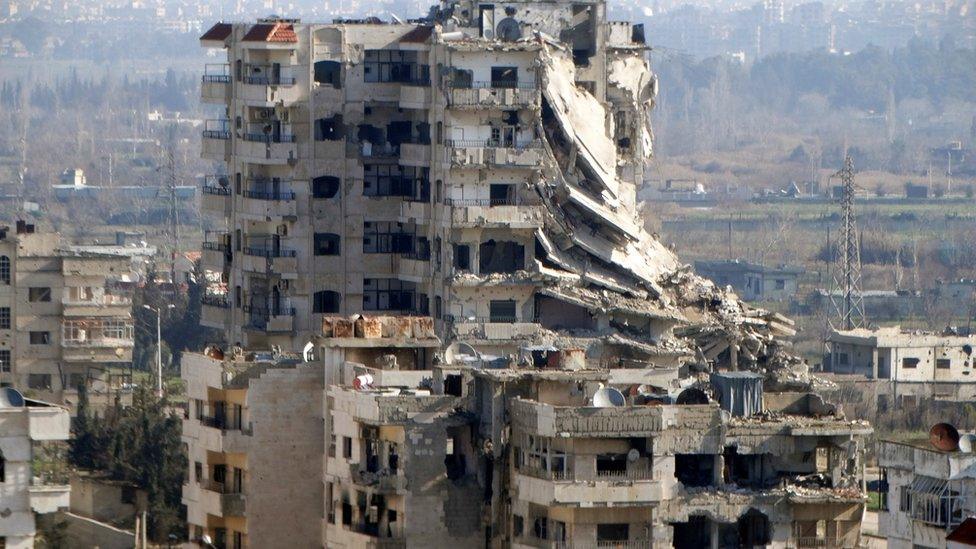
(30, 434)
(929, 492)
(751, 281)
(61, 324)
(914, 365)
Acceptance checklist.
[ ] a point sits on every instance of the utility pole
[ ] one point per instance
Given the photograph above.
(174, 211)
(849, 309)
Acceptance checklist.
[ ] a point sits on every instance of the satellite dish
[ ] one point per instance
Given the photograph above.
(362, 382)
(692, 395)
(633, 455)
(645, 390)
(967, 443)
(944, 437)
(308, 352)
(11, 398)
(508, 30)
(608, 397)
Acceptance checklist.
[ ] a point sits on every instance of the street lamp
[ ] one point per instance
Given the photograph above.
(159, 348)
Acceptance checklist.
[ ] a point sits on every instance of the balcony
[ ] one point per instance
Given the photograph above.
(216, 251)
(216, 140)
(97, 303)
(491, 328)
(384, 482)
(480, 95)
(49, 498)
(499, 212)
(271, 260)
(97, 339)
(221, 500)
(263, 144)
(214, 311)
(215, 195)
(216, 85)
(487, 152)
(270, 84)
(635, 486)
(623, 421)
(270, 320)
(266, 198)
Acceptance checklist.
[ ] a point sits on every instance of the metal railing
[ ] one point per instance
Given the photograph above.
(493, 143)
(492, 84)
(483, 319)
(267, 312)
(269, 138)
(219, 73)
(214, 246)
(216, 129)
(215, 301)
(216, 190)
(482, 202)
(269, 252)
(270, 195)
(642, 473)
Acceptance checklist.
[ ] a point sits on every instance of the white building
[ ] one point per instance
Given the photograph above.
(33, 477)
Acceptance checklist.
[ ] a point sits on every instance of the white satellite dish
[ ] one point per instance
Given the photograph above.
(967, 443)
(633, 455)
(11, 398)
(308, 352)
(608, 397)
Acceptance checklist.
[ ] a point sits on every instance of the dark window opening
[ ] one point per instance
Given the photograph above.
(325, 186)
(753, 529)
(504, 77)
(4, 269)
(328, 72)
(454, 385)
(501, 257)
(40, 338)
(462, 257)
(694, 470)
(943, 363)
(330, 129)
(909, 363)
(501, 194)
(612, 532)
(388, 294)
(326, 301)
(327, 244)
(502, 311)
(35, 295)
(611, 464)
(386, 237)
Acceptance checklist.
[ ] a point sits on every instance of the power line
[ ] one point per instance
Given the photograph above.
(849, 306)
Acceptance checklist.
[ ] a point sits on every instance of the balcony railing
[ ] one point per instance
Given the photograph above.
(269, 252)
(260, 137)
(266, 75)
(642, 473)
(219, 73)
(215, 301)
(492, 84)
(499, 319)
(266, 313)
(270, 195)
(216, 190)
(482, 202)
(215, 246)
(216, 129)
(493, 143)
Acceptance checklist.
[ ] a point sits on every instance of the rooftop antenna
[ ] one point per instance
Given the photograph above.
(849, 307)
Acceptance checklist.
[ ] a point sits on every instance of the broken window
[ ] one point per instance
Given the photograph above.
(388, 294)
(694, 470)
(454, 385)
(39, 381)
(753, 529)
(40, 338)
(502, 311)
(462, 257)
(384, 237)
(328, 72)
(501, 257)
(610, 465)
(330, 129)
(612, 532)
(325, 186)
(518, 526)
(540, 528)
(347, 447)
(35, 295)
(4, 269)
(943, 363)
(909, 363)
(393, 180)
(501, 194)
(327, 244)
(394, 66)
(326, 301)
(504, 77)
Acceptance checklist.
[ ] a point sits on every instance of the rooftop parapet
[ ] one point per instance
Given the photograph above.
(379, 331)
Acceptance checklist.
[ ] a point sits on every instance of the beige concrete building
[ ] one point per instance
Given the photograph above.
(928, 492)
(501, 356)
(61, 325)
(33, 479)
(904, 366)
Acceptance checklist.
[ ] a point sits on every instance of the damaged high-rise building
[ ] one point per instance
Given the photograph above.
(503, 356)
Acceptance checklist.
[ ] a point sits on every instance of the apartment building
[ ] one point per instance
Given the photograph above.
(429, 444)
(929, 491)
(61, 325)
(33, 477)
(469, 168)
(901, 366)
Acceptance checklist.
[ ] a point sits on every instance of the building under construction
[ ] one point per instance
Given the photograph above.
(501, 356)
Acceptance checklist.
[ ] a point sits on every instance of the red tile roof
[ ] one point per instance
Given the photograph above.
(271, 32)
(965, 533)
(418, 35)
(220, 32)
